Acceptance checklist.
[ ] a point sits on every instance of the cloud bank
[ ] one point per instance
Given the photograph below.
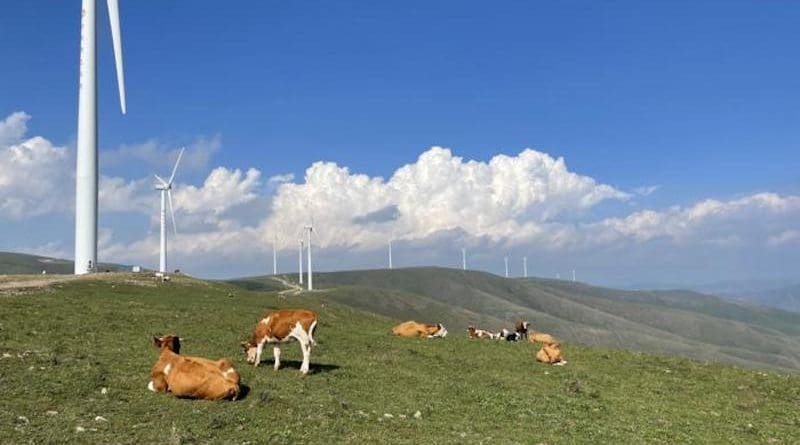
(529, 201)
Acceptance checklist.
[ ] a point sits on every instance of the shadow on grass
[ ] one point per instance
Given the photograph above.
(315, 368)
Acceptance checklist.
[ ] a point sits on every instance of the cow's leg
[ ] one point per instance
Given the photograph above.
(277, 352)
(158, 383)
(305, 346)
(259, 350)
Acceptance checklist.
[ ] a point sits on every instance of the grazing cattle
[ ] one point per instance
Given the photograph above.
(192, 377)
(414, 329)
(281, 327)
(482, 333)
(540, 337)
(551, 355)
(522, 328)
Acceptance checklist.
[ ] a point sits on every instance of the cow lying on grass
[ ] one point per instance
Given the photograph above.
(551, 355)
(281, 327)
(472, 332)
(414, 329)
(509, 335)
(541, 337)
(191, 377)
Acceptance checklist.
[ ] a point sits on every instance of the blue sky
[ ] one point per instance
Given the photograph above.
(697, 98)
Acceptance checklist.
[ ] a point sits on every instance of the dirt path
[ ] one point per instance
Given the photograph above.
(32, 282)
(292, 289)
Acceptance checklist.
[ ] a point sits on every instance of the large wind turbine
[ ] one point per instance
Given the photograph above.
(166, 196)
(86, 166)
(506, 259)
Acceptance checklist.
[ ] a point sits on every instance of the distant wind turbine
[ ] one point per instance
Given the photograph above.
(166, 196)
(573, 275)
(86, 177)
(309, 228)
(463, 258)
(506, 259)
(525, 266)
(275, 255)
(390, 253)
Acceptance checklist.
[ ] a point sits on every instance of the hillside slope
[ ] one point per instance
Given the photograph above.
(12, 263)
(82, 349)
(670, 322)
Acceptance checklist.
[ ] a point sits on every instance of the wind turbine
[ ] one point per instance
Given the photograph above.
(390, 253)
(506, 259)
(300, 262)
(275, 255)
(573, 275)
(309, 228)
(166, 195)
(525, 266)
(86, 162)
(463, 259)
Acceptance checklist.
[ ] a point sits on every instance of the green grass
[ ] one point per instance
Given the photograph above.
(71, 340)
(12, 263)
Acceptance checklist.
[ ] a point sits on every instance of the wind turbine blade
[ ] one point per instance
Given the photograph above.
(116, 36)
(161, 180)
(172, 212)
(178, 161)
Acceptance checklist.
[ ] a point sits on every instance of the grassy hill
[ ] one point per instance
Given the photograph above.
(20, 263)
(62, 345)
(667, 322)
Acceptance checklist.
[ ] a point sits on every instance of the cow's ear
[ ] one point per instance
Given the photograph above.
(176, 345)
(157, 341)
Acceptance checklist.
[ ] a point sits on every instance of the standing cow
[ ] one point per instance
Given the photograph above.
(281, 327)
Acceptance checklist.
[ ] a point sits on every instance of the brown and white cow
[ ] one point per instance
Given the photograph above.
(472, 332)
(192, 377)
(522, 328)
(281, 327)
(414, 329)
(551, 355)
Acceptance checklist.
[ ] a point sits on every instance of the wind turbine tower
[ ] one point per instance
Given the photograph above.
(506, 259)
(300, 263)
(310, 229)
(86, 177)
(463, 258)
(166, 196)
(275, 255)
(525, 267)
(390, 253)
(573, 275)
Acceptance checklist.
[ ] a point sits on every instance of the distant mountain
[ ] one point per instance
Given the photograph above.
(22, 264)
(786, 298)
(683, 323)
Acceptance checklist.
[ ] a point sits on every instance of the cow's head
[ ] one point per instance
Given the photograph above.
(440, 331)
(250, 349)
(170, 342)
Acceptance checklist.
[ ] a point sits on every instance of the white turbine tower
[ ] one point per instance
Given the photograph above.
(506, 259)
(390, 254)
(166, 196)
(309, 228)
(573, 275)
(525, 267)
(463, 259)
(300, 263)
(275, 255)
(86, 165)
